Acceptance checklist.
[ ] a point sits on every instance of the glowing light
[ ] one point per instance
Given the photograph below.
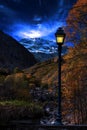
(22, 30)
(31, 34)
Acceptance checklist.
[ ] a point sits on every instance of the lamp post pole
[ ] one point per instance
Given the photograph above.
(60, 36)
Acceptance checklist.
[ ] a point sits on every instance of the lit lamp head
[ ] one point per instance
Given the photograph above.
(60, 36)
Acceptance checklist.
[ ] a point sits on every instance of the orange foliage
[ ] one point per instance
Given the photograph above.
(77, 22)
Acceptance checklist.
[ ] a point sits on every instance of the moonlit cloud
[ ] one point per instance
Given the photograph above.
(32, 18)
(22, 30)
(31, 34)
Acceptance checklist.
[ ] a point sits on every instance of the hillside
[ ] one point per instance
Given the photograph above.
(13, 54)
(74, 82)
(38, 84)
(47, 71)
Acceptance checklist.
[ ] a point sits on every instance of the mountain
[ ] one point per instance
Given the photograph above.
(39, 45)
(41, 48)
(13, 54)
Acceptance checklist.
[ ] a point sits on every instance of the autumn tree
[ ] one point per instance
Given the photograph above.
(76, 78)
(77, 23)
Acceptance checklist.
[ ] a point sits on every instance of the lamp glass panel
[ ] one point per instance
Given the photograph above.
(60, 39)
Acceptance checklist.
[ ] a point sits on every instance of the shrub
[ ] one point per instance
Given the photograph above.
(17, 86)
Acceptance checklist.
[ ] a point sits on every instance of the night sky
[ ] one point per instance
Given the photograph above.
(33, 18)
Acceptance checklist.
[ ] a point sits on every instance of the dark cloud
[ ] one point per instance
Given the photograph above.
(6, 16)
(32, 15)
(27, 9)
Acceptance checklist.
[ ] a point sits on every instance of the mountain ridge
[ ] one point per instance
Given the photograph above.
(42, 49)
(13, 54)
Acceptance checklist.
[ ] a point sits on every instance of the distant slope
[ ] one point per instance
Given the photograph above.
(47, 71)
(13, 54)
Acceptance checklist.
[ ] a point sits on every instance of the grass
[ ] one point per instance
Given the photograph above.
(32, 107)
(18, 110)
(20, 103)
(15, 103)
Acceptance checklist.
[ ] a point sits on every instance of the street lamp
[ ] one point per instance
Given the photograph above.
(60, 37)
